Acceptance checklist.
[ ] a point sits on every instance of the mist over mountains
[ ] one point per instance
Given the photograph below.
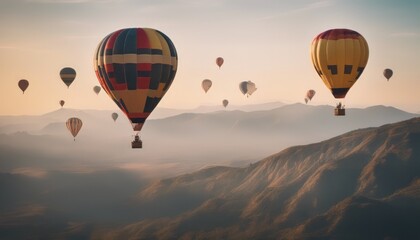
(359, 185)
(177, 144)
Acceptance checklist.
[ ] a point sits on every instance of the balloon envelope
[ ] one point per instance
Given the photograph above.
(310, 94)
(206, 85)
(225, 103)
(247, 87)
(251, 88)
(136, 67)
(62, 102)
(388, 73)
(23, 85)
(74, 125)
(68, 75)
(219, 61)
(96, 89)
(114, 116)
(339, 57)
(243, 87)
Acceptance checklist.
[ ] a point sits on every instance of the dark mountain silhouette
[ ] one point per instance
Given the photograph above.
(361, 185)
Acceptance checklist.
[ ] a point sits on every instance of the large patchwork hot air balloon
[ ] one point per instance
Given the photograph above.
(206, 84)
(135, 67)
(68, 75)
(74, 125)
(23, 85)
(339, 57)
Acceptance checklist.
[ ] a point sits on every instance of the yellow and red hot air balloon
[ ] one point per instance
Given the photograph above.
(23, 84)
(135, 67)
(339, 57)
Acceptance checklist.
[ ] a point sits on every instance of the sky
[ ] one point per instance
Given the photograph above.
(265, 41)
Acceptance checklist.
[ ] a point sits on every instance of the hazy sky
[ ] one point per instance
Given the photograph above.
(266, 41)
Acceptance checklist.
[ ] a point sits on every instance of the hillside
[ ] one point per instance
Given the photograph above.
(360, 185)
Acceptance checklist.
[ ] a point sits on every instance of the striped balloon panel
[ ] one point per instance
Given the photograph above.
(339, 57)
(74, 125)
(67, 75)
(135, 67)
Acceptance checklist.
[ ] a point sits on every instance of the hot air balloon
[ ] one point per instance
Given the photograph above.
(114, 116)
(135, 67)
(310, 94)
(306, 100)
(74, 125)
(339, 57)
(206, 84)
(247, 87)
(225, 103)
(243, 86)
(219, 61)
(388, 73)
(96, 89)
(62, 103)
(23, 85)
(68, 75)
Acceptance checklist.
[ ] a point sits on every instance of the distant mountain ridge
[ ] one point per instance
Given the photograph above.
(360, 185)
(195, 140)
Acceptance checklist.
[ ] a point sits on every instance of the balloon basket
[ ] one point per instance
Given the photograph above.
(339, 112)
(137, 143)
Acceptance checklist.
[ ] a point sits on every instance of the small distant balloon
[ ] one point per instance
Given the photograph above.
(247, 87)
(310, 94)
(74, 125)
(225, 102)
(68, 75)
(96, 89)
(206, 84)
(306, 100)
(114, 116)
(23, 85)
(219, 61)
(388, 73)
(62, 102)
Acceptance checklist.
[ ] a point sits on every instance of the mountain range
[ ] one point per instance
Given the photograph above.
(177, 144)
(363, 184)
